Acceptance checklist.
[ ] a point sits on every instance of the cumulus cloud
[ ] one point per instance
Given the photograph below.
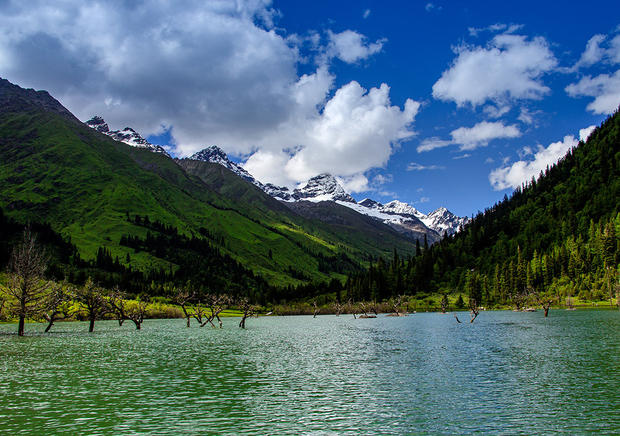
(355, 131)
(522, 171)
(509, 68)
(209, 73)
(470, 138)
(604, 88)
(480, 134)
(350, 46)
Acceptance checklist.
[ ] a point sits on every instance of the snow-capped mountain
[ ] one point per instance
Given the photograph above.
(323, 187)
(444, 222)
(214, 154)
(402, 217)
(128, 135)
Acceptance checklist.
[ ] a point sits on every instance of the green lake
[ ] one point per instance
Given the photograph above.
(508, 373)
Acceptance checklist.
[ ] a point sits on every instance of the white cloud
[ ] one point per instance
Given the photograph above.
(429, 144)
(510, 67)
(525, 116)
(522, 171)
(597, 51)
(480, 134)
(585, 133)
(604, 88)
(350, 46)
(366, 13)
(423, 200)
(210, 73)
(413, 166)
(461, 156)
(355, 131)
(593, 52)
(470, 138)
(355, 183)
(496, 111)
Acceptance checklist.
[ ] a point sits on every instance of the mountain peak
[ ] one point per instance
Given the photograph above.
(444, 221)
(401, 208)
(212, 154)
(128, 135)
(16, 98)
(99, 124)
(323, 187)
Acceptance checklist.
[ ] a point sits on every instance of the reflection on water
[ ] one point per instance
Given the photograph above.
(506, 373)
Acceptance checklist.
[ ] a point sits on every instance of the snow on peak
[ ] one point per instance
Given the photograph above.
(444, 221)
(99, 124)
(128, 135)
(370, 204)
(215, 154)
(323, 187)
(400, 208)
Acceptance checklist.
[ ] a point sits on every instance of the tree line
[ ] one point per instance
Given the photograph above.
(557, 236)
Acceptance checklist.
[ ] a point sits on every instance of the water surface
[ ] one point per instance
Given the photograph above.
(425, 374)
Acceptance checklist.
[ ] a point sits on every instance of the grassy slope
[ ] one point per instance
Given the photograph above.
(85, 184)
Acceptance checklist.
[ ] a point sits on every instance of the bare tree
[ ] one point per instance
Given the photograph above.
(135, 312)
(397, 304)
(217, 304)
(352, 308)
(544, 301)
(338, 308)
(117, 303)
(57, 305)
(444, 303)
(94, 301)
(26, 286)
(473, 309)
(365, 308)
(183, 298)
(247, 309)
(519, 299)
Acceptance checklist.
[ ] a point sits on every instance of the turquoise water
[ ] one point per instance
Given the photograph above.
(425, 374)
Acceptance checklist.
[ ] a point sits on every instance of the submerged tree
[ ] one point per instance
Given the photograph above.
(217, 304)
(247, 309)
(124, 309)
(94, 301)
(57, 304)
(183, 297)
(474, 290)
(444, 303)
(26, 286)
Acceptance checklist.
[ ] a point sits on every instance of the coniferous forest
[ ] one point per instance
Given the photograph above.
(557, 235)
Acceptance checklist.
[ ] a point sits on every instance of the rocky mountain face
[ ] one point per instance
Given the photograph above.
(128, 135)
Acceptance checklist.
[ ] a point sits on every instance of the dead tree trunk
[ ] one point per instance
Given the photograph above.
(247, 309)
(316, 309)
(473, 308)
(183, 297)
(94, 301)
(26, 286)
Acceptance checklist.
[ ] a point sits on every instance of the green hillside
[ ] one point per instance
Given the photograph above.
(90, 188)
(558, 235)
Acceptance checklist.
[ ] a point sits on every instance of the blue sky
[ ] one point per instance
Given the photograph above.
(433, 103)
